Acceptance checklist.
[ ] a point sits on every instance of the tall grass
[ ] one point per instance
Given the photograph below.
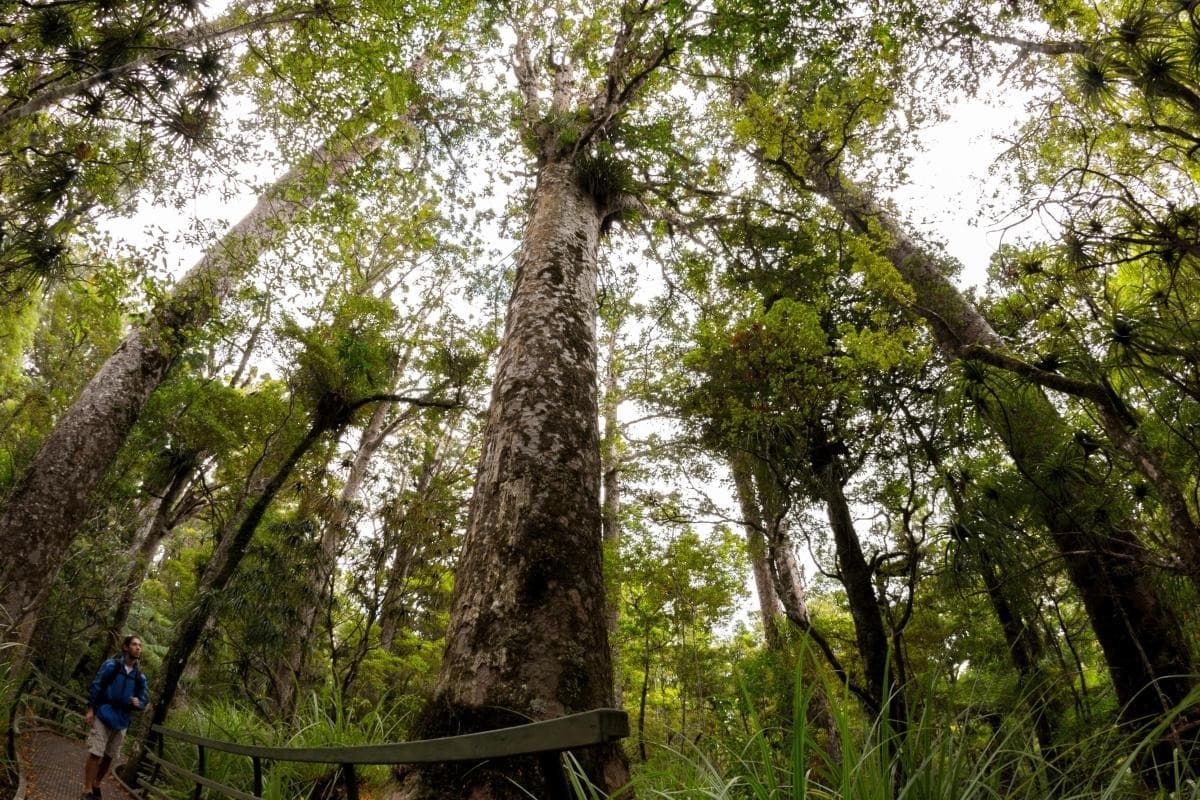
(315, 725)
(942, 755)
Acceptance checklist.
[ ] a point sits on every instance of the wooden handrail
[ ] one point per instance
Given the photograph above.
(547, 737)
(600, 726)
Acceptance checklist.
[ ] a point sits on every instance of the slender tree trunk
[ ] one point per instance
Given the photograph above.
(1025, 649)
(392, 613)
(142, 554)
(1025, 645)
(768, 510)
(527, 637)
(879, 662)
(769, 607)
(643, 695)
(226, 558)
(45, 511)
(412, 533)
(289, 671)
(1141, 636)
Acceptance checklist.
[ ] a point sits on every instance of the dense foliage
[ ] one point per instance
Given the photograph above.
(868, 532)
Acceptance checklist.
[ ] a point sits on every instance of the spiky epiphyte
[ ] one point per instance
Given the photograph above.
(1134, 29)
(1094, 79)
(1158, 65)
(1122, 331)
(604, 175)
(54, 27)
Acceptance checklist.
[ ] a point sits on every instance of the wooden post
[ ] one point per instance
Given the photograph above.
(258, 787)
(351, 781)
(200, 770)
(556, 777)
(158, 748)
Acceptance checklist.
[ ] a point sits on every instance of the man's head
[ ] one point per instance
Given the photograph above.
(131, 646)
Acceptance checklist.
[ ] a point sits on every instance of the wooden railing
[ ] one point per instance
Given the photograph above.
(546, 740)
(47, 703)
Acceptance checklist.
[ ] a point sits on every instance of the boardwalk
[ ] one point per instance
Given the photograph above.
(53, 768)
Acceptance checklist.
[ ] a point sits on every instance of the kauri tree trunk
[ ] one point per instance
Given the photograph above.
(528, 638)
(769, 607)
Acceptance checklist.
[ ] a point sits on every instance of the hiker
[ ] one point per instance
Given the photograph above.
(118, 688)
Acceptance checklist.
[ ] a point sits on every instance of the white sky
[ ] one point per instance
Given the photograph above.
(950, 180)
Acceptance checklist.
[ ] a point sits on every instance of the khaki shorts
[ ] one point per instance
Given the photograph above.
(103, 740)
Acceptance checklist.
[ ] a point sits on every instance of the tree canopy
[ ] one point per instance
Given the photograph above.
(555, 331)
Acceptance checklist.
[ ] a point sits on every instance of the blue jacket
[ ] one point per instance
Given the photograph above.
(111, 691)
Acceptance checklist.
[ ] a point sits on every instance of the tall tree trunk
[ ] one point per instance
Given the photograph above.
(1140, 634)
(289, 670)
(46, 509)
(769, 607)
(879, 662)
(527, 637)
(226, 557)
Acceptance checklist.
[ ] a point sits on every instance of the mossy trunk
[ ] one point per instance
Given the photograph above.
(1138, 630)
(45, 511)
(528, 638)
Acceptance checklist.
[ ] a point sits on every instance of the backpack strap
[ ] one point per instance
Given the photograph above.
(108, 680)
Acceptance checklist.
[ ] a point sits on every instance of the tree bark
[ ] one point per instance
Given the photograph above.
(228, 554)
(879, 663)
(46, 509)
(1138, 631)
(527, 637)
(769, 607)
